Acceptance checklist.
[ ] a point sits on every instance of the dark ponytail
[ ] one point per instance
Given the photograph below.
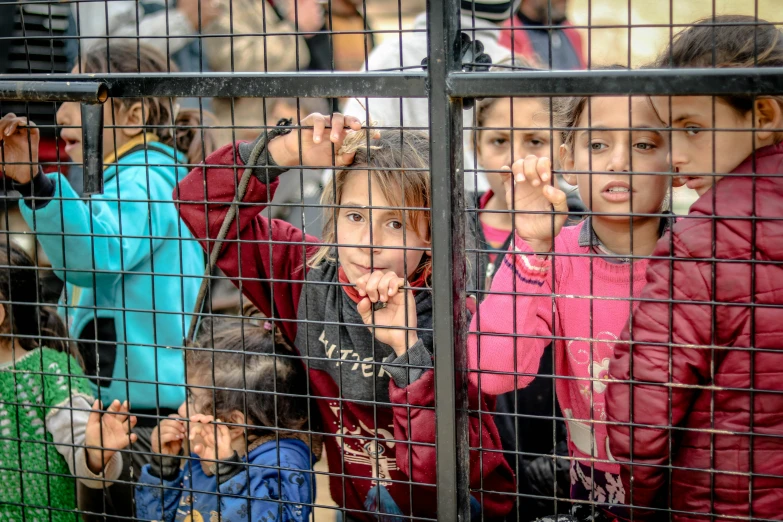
(185, 130)
(27, 320)
(727, 41)
(192, 135)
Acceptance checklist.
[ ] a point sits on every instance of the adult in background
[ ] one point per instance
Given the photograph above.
(264, 39)
(540, 32)
(180, 20)
(480, 20)
(340, 44)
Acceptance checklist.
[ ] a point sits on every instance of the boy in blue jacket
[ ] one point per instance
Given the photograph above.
(252, 463)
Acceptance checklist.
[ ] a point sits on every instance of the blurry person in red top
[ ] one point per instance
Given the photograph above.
(714, 415)
(370, 366)
(540, 32)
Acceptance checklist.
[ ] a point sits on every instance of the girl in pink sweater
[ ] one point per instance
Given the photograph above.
(574, 285)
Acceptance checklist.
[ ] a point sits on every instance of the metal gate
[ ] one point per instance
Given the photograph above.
(448, 85)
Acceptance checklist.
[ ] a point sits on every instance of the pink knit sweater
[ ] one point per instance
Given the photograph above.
(575, 299)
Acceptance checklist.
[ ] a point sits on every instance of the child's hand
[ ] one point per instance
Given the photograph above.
(202, 435)
(316, 144)
(108, 432)
(168, 435)
(385, 287)
(19, 141)
(534, 193)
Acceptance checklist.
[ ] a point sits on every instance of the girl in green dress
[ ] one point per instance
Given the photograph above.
(52, 431)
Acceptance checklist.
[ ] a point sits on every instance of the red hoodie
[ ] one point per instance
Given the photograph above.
(723, 431)
(387, 442)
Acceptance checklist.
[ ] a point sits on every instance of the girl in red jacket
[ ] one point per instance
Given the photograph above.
(580, 297)
(706, 407)
(357, 307)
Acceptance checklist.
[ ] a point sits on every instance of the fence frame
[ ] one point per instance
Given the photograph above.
(446, 86)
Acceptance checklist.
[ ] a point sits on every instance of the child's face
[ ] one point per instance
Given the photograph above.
(69, 116)
(496, 148)
(371, 229)
(611, 152)
(697, 153)
(195, 396)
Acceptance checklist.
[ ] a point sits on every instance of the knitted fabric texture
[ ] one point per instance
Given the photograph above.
(591, 309)
(32, 472)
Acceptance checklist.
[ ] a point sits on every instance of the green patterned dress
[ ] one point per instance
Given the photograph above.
(32, 472)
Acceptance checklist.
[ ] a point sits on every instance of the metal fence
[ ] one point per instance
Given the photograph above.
(430, 438)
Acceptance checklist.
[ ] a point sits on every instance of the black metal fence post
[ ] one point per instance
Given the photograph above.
(92, 140)
(445, 85)
(448, 255)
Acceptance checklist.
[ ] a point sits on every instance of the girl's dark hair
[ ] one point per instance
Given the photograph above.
(254, 372)
(726, 41)
(180, 129)
(27, 320)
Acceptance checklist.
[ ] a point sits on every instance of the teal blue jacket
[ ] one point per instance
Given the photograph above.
(132, 268)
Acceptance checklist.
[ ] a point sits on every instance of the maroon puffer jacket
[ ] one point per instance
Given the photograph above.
(724, 432)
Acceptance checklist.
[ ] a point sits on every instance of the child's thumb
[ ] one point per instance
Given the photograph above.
(557, 197)
(364, 307)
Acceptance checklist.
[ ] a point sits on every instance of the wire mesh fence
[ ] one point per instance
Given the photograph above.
(384, 261)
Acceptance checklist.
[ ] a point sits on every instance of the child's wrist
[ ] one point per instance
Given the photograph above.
(279, 152)
(97, 459)
(401, 348)
(27, 174)
(539, 246)
(35, 170)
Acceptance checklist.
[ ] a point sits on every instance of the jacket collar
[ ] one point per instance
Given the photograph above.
(588, 237)
(141, 139)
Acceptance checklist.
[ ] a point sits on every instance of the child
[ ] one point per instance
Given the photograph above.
(252, 467)
(724, 431)
(507, 130)
(44, 400)
(545, 296)
(499, 141)
(372, 376)
(113, 244)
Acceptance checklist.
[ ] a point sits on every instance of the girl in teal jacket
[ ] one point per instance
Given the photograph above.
(131, 268)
